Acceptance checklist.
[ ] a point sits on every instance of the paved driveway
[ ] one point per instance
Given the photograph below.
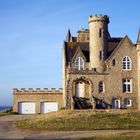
(9, 131)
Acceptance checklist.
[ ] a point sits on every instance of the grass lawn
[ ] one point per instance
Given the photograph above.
(83, 120)
(6, 112)
(114, 138)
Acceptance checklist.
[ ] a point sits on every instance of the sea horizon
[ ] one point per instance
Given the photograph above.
(4, 107)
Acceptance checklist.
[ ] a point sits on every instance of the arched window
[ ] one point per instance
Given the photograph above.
(101, 87)
(79, 63)
(126, 63)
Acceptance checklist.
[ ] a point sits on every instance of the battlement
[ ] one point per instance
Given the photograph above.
(83, 30)
(94, 18)
(83, 35)
(37, 90)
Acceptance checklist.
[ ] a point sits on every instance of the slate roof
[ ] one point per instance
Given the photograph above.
(71, 47)
(113, 43)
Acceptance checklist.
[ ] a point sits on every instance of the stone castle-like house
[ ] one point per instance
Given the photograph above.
(99, 72)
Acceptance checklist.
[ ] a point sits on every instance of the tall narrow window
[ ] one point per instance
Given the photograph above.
(100, 32)
(79, 63)
(113, 62)
(126, 63)
(101, 87)
(127, 85)
(101, 55)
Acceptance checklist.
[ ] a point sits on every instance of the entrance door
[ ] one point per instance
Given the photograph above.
(80, 89)
(116, 104)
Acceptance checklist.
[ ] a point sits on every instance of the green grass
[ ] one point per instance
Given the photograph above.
(7, 112)
(83, 120)
(113, 138)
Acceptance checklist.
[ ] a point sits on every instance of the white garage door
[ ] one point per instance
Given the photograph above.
(26, 108)
(49, 107)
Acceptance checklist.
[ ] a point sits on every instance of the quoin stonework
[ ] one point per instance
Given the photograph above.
(99, 72)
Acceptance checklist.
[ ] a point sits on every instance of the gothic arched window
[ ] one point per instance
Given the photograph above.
(127, 63)
(79, 63)
(101, 87)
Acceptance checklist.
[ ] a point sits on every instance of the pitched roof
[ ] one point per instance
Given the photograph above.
(112, 44)
(71, 47)
(119, 44)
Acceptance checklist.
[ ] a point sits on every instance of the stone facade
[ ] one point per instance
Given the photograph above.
(100, 60)
(98, 72)
(38, 96)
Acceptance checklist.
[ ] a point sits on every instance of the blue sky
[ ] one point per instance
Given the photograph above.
(32, 34)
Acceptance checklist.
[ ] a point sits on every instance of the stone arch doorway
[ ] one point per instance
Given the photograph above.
(82, 89)
(83, 85)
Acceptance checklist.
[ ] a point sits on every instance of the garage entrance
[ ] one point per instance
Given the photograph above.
(49, 107)
(26, 108)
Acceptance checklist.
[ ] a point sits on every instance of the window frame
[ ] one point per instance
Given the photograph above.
(79, 63)
(126, 102)
(101, 88)
(126, 63)
(127, 85)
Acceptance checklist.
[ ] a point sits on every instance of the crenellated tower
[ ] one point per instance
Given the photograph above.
(98, 25)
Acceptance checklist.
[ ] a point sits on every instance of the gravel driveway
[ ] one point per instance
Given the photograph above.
(9, 131)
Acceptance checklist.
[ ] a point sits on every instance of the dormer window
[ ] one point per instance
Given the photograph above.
(79, 63)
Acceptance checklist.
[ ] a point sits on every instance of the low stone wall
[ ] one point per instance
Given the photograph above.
(37, 95)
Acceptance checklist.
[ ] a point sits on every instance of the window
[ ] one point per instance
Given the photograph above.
(116, 103)
(127, 85)
(113, 62)
(128, 102)
(100, 32)
(100, 55)
(127, 64)
(101, 87)
(79, 63)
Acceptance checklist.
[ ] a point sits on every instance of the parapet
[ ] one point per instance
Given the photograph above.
(83, 30)
(83, 35)
(37, 90)
(94, 18)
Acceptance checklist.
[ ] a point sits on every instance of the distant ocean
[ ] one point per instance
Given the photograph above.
(4, 107)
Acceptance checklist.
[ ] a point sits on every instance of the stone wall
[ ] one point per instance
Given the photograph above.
(83, 35)
(37, 95)
(112, 77)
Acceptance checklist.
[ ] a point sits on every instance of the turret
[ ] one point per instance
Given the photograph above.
(68, 37)
(138, 41)
(98, 41)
